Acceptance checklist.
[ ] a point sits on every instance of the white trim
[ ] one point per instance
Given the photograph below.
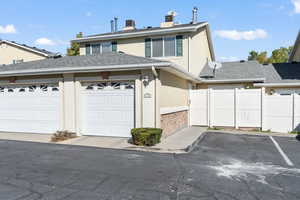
(31, 81)
(142, 33)
(29, 49)
(114, 78)
(276, 84)
(233, 80)
(168, 110)
(83, 69)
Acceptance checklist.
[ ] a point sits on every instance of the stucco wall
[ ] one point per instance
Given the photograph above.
(8, 53)
(196, 50)
(173, 91)
(200, 52)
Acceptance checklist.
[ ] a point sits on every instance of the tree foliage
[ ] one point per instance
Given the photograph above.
(74, 50)
(280, 55)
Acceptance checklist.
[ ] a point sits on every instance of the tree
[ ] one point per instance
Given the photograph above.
(74, 50)
(262, 57)
(253, 55)
(280, 55)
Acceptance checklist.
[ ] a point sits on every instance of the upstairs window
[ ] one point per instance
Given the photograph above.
(164, 47)
(94, 49)
(170, 46)
(157, 47)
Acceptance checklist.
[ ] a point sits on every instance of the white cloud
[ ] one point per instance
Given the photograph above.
(228, 59)
(45, 42)
(8, 29)
(296, 4)
(242, 35)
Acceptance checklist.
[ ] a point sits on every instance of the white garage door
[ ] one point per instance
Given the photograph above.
(30, 109)
(108, 109)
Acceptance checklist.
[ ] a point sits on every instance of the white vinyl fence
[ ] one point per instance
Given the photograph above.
(248, 108)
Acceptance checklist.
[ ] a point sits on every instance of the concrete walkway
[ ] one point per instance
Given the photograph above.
(180, 142)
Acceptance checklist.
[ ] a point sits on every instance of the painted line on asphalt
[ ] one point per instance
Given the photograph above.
(285, 157)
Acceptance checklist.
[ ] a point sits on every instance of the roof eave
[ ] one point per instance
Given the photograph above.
(248, 80)
(65, 70)
(277, 84)
(28, 49)
(178, 71)
(141, 34)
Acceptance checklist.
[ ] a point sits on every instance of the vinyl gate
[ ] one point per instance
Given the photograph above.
(250, 108)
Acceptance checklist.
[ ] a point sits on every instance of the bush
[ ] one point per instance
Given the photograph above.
(62, 135)
(146, 136)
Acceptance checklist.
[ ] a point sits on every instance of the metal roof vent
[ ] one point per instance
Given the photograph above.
(195, 15)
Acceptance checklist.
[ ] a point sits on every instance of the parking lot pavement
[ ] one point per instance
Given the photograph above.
(222, 166)
(291, 147)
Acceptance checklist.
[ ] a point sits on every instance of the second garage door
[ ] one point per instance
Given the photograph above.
(32, 109)
(108, 109)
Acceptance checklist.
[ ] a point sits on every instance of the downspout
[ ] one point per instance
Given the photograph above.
(189, 51)
(155, 92)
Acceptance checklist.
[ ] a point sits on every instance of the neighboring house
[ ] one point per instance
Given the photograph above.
(295, 54)
(281, 78)
(13, 53)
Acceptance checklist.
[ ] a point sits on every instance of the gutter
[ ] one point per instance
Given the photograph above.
(170, 67)
(235, 80)
(142, 33)
(64, 70)
(276, 84)
(177, 70)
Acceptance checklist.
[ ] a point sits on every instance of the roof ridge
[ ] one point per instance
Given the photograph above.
(33, 48)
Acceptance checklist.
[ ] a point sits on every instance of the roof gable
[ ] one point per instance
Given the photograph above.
(36, 50)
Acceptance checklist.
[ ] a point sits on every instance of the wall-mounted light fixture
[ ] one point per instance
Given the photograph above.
(145, 80)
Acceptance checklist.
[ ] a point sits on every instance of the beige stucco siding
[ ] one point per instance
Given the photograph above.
(196, 50)
(173, 91)
(200, 52)
(8, 53)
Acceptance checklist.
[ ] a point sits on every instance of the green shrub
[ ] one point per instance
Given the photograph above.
(62, 135)
(146, 136)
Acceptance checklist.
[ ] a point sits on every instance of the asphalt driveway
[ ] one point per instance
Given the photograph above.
(222, 166)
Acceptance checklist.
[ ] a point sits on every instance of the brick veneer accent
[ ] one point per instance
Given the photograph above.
(172, 122)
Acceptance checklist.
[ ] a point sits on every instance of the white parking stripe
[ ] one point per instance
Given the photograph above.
(287, 160)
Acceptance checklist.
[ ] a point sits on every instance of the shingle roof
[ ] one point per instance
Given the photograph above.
(252, 70)
(68, 63)
(145, 29)
(282, 72)
(234, 70)
(35, 49)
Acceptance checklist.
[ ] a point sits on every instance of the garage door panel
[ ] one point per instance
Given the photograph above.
(34, 111)
(108, 111)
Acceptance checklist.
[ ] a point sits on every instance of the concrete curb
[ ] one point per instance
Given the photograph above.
(191, 147)
(247, 133)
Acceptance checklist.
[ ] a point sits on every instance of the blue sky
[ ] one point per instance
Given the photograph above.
(238, 26)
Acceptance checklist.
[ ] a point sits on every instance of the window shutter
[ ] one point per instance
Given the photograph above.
(179, 48)
(87, 49)
(148, 47)
(114, 46)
